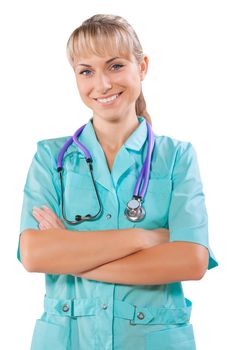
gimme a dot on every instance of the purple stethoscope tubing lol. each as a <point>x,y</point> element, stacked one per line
<point>145,171</point>
<point>137,195</point>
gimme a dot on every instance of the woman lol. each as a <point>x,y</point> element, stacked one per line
<point>114,282</point>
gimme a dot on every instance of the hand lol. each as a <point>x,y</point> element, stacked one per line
<point>47,218</point>
<point>162,234</point>
<point>155,236</point>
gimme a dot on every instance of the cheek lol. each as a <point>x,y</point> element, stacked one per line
<point>134,80</point>
<point>83,89</point>
<point>136,87</point>
<point>131,82</point>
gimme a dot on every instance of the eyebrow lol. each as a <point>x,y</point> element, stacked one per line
<point>88,65</point>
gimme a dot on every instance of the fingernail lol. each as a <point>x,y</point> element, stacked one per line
<point>45,207</point>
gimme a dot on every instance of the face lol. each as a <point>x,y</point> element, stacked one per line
<point>109,85</point>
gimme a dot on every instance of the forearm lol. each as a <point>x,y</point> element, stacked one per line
<point>161,264</point>
<point>61,251</point>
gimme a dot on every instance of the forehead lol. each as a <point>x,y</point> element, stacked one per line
<point>93,60</point>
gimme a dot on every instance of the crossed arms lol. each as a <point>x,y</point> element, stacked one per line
<point>127,256</point>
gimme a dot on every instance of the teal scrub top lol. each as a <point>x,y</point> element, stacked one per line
<point>87,314</point>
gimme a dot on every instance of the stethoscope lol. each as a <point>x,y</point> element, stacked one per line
<point>134,210</point>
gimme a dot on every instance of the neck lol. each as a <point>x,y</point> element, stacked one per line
<point>113,134</point>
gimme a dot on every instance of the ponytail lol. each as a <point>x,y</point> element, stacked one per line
<point>141,110</point>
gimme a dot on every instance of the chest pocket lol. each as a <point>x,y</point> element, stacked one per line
<point>156,201</point>
<point>79,197</point>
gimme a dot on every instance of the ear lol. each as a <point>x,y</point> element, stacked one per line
<point>143,67</point>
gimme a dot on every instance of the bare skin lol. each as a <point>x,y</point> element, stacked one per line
<point>47,219</point>
<point>53,249</point>
<point>160,262</point>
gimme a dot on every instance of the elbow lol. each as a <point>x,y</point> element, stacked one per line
<point>199,272</point>
<point>26,251</point>
<point>201,260</point>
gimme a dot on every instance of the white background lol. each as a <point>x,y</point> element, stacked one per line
<point>188,91</point>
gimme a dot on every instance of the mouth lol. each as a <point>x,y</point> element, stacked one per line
<point>109,100</point>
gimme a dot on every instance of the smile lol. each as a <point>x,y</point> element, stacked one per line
<point>109,99</point>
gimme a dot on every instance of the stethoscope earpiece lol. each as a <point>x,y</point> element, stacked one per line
<point>86,217</point>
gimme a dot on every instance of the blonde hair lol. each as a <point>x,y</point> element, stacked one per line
<point>101,34</point>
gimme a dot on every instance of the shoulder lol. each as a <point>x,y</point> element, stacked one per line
<point>169,153</point>
<point>48,149</point>
<point>52,146</point>
<point>167,145</point>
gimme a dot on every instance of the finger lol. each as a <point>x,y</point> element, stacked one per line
<point>43,215</point>
<point>49,212</point>
<point>54,216</point>
<point>54,219</point>
<point>40,217</point>
<point>42,227</point>
<point>37,215</point>
<point>47,225</point>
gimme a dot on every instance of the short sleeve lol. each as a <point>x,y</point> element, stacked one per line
<point>188,218</point>
<point>40,189</point>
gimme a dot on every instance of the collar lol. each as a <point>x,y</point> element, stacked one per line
<point>124,159</point>
<point>88,137</point>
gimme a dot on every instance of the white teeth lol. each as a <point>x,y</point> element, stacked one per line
<point>105,100</point>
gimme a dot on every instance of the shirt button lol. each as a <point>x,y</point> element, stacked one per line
<point>140,315</point>
<point>108,216</point>
<point>65,308</point>
<point>104,306</point>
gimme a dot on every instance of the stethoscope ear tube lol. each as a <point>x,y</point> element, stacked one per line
<point>134,210</point>
<point>79,218</point>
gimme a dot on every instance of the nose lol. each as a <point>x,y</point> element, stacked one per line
<point>102,83</point>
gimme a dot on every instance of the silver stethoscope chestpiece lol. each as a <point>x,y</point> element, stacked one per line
<point>134,210</point>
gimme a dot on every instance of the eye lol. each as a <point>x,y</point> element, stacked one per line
<point>84,71</point>
<point>88,72</point>
<point>118,66</point>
